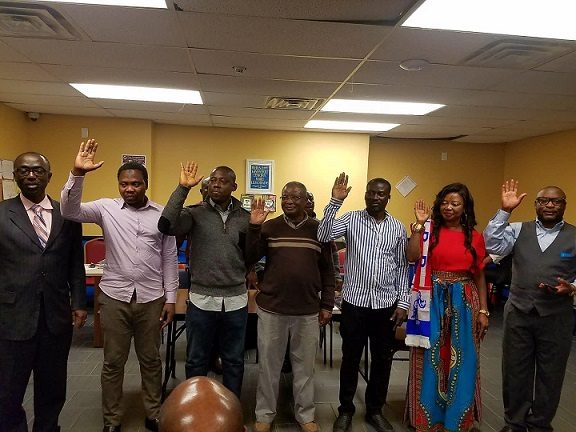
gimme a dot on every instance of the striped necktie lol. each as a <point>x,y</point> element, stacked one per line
<point>40,225</point>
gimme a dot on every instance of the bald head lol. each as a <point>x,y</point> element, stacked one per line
<point>201,404</point>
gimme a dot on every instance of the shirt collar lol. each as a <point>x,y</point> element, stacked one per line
<point>292,224</point>
<point>217,206</point>
<point>46,204</point>
<point>556,227</point>
<point>369,217</point>
<point>149,204</point>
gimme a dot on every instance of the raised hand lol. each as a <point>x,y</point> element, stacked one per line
<point>259,213</point>
<point>85,158</point>
<point>341,189</point>
<point>188,172</point>
<point>421,211</point>
<point>510,198</point>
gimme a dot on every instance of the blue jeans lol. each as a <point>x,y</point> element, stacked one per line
<point>201,327</point>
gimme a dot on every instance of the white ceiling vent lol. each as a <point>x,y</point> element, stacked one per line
<point>293,103</point>
<point>33,20</point>
<point>521,54</point>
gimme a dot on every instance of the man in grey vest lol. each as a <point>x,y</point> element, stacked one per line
<point>538,315</point>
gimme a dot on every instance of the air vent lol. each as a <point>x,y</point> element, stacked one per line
<point>521,54</point>
<point>293,103</point>
<point>34,21</point>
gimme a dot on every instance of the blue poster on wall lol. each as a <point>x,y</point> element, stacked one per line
<point>259,176</point>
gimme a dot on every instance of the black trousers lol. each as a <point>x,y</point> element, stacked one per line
<point>535,350</point>
<point>47,356</point>
<point>357,325</point>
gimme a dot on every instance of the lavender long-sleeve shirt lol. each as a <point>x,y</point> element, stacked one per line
<point>139,258</point>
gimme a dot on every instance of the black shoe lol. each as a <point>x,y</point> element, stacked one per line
<point>111,428</point>
<point>378,422</point>
<point>151,425</point>
<point>342,423</point>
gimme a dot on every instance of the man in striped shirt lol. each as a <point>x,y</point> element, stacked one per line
<point>296,295</point>
<point>375,293</point>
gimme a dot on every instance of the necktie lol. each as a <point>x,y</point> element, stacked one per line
<point>40,225</point>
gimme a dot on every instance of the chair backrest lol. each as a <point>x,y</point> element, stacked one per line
<point>341,259</point>
<point>94,251</point>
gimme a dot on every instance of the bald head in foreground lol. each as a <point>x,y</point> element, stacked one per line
<point>201,404</point>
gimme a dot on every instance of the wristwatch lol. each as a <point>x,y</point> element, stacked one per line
<point>484,311</point>
<point>418,227</point>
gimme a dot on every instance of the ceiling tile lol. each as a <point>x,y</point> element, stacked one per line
<point>24,71</point>
<point>460,77</point>
<point>9,54</point>
<point>272,66</point>
<point>262,113</point>
<point>42,100</point>
<point>56,109</point>
<point>108,24</point>
<point>434,46</point>
<point>37,87</point>
<point>540,82</point>
<point>278,88</point>
<point>279,36</point>
<point>100,54</point>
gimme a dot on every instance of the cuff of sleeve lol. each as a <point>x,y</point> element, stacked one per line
<point>171,296</point>
<point>336,202</point>
<point>501,216</point>
<point>403,304</point>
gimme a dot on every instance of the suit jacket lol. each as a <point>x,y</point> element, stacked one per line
<point>28,272</point>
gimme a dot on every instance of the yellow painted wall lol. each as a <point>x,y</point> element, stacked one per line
<point>542,161</point>
<point>478,166</point>
<point>314,159</point>
<point>13,136</point>
<point>59,137</point>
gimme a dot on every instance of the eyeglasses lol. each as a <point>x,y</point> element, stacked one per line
<point>293,198</point>
<point>25,171</point>
<point>542,201</point>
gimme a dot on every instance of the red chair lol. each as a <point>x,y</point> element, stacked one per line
<point>94,252</point>
<point>341,259</point>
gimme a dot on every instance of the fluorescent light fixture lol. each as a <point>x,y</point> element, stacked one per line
<point>350,126</point>
<point>553,19</point>
<point>380,107</point>
<point>157,4</point>
<point>146,94</point>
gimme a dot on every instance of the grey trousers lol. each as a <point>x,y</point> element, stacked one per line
<point>535,351</point>
<point>120,322</point>
<point>274,331</point>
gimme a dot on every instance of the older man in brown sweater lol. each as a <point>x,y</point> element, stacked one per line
<point>296,295</point>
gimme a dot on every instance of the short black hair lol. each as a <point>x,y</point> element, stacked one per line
<point>380,180</point>
<point>40,155</point>
<point>297,185</point>
<point>134,166</point>
<point>230,172</point>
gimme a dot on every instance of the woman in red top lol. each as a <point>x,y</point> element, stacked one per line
<point>444,390</point>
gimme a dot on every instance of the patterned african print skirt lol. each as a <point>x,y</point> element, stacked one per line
<point>444,384</point>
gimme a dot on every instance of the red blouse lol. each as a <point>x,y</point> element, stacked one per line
<point>451,255</point>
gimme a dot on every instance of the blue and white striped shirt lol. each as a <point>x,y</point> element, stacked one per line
<point>375,269</point>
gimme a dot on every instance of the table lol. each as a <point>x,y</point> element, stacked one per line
<point>96,273</point>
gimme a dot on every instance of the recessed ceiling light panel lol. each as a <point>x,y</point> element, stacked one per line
<point>145,94</point>
<point>552,19</point>
<point>350,126</point>
<point>380,107</point>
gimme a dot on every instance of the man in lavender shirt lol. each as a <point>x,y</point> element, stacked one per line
<point>138,287</point>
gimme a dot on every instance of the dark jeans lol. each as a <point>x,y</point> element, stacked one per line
<point>47,356</point>
<point>357,325</point>
<point>201,329</point>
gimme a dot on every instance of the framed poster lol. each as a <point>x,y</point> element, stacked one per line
<point>259,176</point>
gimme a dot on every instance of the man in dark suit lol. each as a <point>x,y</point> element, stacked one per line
<point>42,295</point>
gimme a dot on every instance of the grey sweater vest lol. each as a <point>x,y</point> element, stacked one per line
<point>531,267</point>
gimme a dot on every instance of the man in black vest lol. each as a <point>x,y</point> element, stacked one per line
<point>538,315</point>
